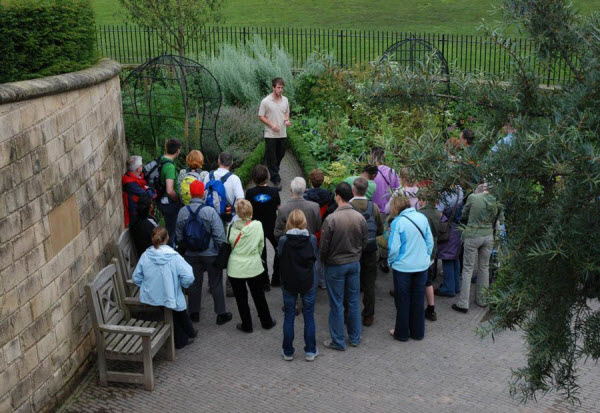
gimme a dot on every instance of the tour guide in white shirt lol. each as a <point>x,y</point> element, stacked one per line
<point>274,112</point>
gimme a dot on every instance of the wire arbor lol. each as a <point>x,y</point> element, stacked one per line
<point>173,97</point>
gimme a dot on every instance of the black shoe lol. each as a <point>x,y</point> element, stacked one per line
<point>459,309</point>
<point>275,282</point>
<point>239,327</point>
<point>441,294</point>
<point>224,318</point>
<point>384,267</point>
<point>195,317</point>
<point>430,315</point>
<point>273,323</point>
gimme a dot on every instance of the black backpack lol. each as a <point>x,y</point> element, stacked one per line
<point>297,264</point>
<point>371,227</point>
<point>195,236</point>
<point>152,172</point>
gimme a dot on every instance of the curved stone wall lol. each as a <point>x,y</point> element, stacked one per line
<point>62,153</point>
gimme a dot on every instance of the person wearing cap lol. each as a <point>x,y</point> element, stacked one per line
<point>203,260</point>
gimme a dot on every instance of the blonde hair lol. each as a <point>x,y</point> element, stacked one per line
<point>296,219</point>
<point>398,204</point>
<point>243,209</point>
<point>405,176</point>
<point>195,159</point>
<point>159,236</point>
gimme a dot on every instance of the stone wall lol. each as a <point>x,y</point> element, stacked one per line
<point>62,153</point>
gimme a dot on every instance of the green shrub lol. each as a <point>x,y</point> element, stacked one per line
<point>255,158</point>
<point>44,38</point>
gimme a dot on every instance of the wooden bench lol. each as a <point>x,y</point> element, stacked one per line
<point>127,256</point>
<point>119,337</point>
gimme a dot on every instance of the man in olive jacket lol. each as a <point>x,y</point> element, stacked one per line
<point>343,238</point>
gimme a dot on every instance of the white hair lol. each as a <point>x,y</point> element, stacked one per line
<point>134,162</point>
<point>298,186</point>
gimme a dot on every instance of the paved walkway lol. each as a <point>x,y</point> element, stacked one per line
<point>451,370</point>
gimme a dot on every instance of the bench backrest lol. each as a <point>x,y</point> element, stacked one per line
<point>104,296</point>
<point>126,254</point>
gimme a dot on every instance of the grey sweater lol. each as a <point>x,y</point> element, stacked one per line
<point>311,211</point>
<point>212,224</point>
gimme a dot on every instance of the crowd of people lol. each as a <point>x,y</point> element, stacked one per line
<point>336,241</point>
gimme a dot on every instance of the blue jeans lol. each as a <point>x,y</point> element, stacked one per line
<point>170,212</point>
<point>308,311</point>
<point>344,279</point>
<point>451,284</point>
<point>409,300</point>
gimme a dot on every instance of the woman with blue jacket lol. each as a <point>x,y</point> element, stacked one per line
<point>160,273</point>
<point>409,255</point>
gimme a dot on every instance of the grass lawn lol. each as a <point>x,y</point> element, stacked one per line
<point>441,16</point>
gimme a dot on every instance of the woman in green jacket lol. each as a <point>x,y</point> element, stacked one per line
<point>245,265</point>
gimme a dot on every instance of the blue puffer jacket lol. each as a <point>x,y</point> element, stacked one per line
<point>160,274</point>
<point>408,250</point>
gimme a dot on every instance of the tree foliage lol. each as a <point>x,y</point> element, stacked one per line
<point>548,181</point>
<point>177,21</point>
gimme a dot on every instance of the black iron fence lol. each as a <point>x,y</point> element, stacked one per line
<point>131,44</point>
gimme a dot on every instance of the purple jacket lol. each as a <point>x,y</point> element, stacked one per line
<point>449,250</point>
<point>387,181</point>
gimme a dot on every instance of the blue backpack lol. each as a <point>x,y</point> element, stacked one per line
<point>216,196</point>
<point>195,236</point>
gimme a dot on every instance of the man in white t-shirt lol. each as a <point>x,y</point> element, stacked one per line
<point>274,112</point>
<point>233,184</point>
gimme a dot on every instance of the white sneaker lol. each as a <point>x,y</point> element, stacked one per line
<point>312,356</point>
<point>287,358</point>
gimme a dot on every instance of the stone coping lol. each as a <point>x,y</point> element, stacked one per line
<point>29,89</point>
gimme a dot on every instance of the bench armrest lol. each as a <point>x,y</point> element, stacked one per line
<point>133,301</point>
<point>131,330</point>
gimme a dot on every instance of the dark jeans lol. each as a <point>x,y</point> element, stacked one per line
<point>215,283</point>
<point>274,152</point>
<point>308,311</point>
<point>409,300</point>
<point>265,275</point>
<point>368,274</point>
<point>255,284</point>
<point>170,212</point>
<point>182,324</point>
<point>451,284</point>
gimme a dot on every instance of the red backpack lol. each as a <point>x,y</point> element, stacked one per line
<point>322,212</point>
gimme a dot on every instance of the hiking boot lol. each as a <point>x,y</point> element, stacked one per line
<point>460,309</point>
<point>430,315</point>
<point>195,317</point>
<point>268,327</point>
<point>224,318</point>
<point>239,327</point>
<point>368,320</point>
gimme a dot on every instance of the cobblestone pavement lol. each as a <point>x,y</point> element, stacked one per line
<point>451,370</point>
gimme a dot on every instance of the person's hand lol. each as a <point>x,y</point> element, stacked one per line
<point>275,128</point>
<point>288,123</point>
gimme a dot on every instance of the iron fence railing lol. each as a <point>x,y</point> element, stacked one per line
<point>130,44</point>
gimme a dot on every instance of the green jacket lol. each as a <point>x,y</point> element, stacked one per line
<point>480,212</point>
<point>245,259</point>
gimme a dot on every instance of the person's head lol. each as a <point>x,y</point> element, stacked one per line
<point>243,208</point>
<point>370,172</point>
<point>316,178</point>
<point>467,136</point>
<point>360,186</point>
<point>195,159</point>
<point>134,164</point>
<point>298,186</point>
<point>142,206</point>
<point>225,160</point>
<point>278,85</point>
<point>173,147</point>
<point>296,219</point>
<point>197,189</point>
<point>260,174</point>
<point>398,204</point>
<point>160,236</point>
<point>406,177</point>
<point>377,155</point>
<point>343,193</point>
<point>482,187</point>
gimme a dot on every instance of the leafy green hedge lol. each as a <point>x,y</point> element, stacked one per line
<point>256,157</point>
<point>299,147</point>
<point>44,38</point>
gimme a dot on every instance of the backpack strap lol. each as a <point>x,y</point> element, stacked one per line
<point>225,177</point>
<point>211,175</point>
<point>194,213</point>
<point>239,235</point>
<point>370,209</point>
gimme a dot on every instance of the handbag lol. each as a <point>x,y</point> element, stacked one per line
<point>226,249</point>
<point>443,233</point>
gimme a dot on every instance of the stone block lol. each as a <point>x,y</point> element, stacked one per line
<point>10,226</point>
<point>19,321</point>
<point>31,213</point>
<point>9,379</point>
<point>6,255</point>
<point>41,230</point>
<point>63,282</point>
<point>65,119</point>
<point>49,271</point>
<point>32,113</point>
<point>44,300</point>
<point>9,303</point>
<point>2,362</point>
<point>6,331</point>
<point>36,259</point>
<point>15,199</point>
<point>11,126</point>
<point>29,288</point>
<point>27,363</point>
<point>65,166</point>
<point>7,181</point>
<point>39,159</point>
<point>25,407</point>
<point>56,313</point>
<point>23,243</point>
<point>46,345</point>
<point>21,392</point>
<point>12,350</point>
<point>5,405</point>
<point>34,187</point>
<point>55,149</point>
<point>22,169</point>
<point>38,329</point>
<point>27,141</point>
<point>13,275</point>
<point>49,129</point>
<point>42,371</point>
